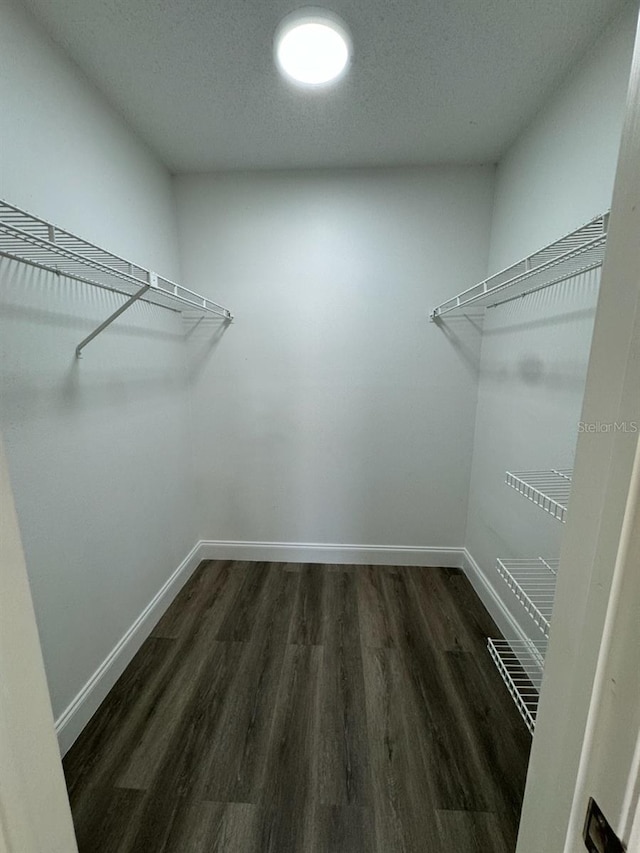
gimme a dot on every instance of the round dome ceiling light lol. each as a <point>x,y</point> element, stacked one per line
<point>312,47</point>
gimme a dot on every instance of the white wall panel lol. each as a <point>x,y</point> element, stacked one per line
<point>97,448</point>
<point>333,411</point>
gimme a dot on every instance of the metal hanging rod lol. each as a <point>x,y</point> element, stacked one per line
<point>34,241</point>
<point>521,665</point>
<point>549,490</point>
<point>533,582</point>
<point>575,253</point>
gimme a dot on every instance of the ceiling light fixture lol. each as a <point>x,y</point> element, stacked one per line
<point>312,47</point>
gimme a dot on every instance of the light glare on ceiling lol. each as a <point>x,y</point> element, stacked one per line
<point>312,47</point>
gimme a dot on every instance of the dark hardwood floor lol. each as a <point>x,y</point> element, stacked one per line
<point>280,708</point>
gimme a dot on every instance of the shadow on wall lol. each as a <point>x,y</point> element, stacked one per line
<point>38,296</point>
<point>67,320</point>
<point>534,371</point>
<point>560,319</point>
<point>44,316</point>
<point>463,332</point>
<point>542,339</point>
<point>203,335</point>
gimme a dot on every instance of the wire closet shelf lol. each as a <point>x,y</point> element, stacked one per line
<point>28,239</point>
<point>533,582</point>
<point>575,253</point>
<point>550,490</point>
<point>520,664</point>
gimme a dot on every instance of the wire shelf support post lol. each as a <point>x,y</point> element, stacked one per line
<point>111,318</point>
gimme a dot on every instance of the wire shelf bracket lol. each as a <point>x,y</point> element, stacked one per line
<point>533,582</point>
<point>550,490</point>
<point>30,240</point>
<point>575,253</point>
<point>520,665</point>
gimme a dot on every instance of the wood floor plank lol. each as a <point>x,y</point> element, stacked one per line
<point>375,627</point>
<point>94,762</point>
<point>402,800</point>
<point>344,766</point>
<point>344,829</point>
<point>177,777</point>
<point>495,736</point>
<point>164,720</point>
<point>482,771</point>
<point>140,766</point>
<point>236,757</point>
<point>217,828</point>
<point>239,620</point>
<point>446,629</point>
<point>202,591</point>
<point>114,827</point>
<point>307,624</point>
<point>429,700</point>
<point>476,619</point>
<point>471,832</point>
<point>116,723</point>
<point>290,798</point>
<point>340,568</point>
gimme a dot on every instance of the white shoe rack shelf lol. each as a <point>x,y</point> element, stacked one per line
<point>533,583</point>
<point>520,664</point>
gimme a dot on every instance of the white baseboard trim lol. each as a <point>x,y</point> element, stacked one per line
<point>313,552</point>
<point>78,713</point>
<point>499,612</point>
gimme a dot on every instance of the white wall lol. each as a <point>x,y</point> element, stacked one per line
<point>559,173</point>
<point>97,449</point>
<point>557,176</point>
<point>333,411</point>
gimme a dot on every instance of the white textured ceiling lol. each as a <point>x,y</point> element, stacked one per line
<point>431,80</point>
